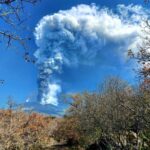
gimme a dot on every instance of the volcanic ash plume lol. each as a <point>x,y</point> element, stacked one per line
<point>77,36</point>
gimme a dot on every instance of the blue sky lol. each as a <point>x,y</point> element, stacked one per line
<point>21,77</point>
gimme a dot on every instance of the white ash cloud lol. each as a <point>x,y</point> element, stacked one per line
<point>77,36</point>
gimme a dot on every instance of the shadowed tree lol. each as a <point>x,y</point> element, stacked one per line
<point>114,117</point>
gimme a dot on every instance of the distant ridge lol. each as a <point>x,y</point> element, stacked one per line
<point>48,109</point>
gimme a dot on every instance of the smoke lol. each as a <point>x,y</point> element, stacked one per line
<point>77,37</point>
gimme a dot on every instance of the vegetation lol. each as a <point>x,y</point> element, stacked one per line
<point>20,130</point>
<point>115,117</point>
<point>13,15</point>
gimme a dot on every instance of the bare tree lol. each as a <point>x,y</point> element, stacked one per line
<point>143,57</point>
<point>117,116</point>
<point>12,15</point>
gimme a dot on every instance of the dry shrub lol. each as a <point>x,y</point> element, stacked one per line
<point>19,130</point>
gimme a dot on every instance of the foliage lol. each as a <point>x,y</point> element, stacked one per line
<point>65,131</point>
<point>115,117</point>
<point>19,130</point>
